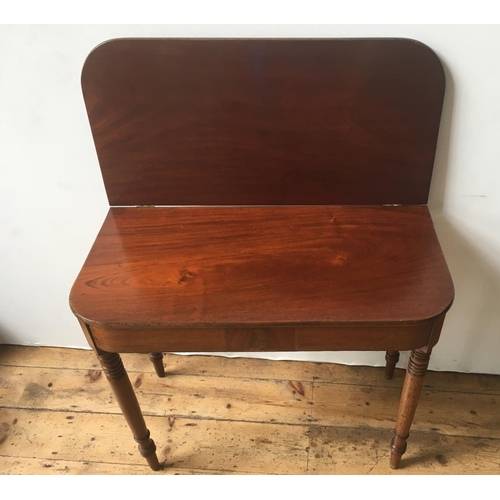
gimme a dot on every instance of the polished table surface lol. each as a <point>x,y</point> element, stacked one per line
<point>283,266</point>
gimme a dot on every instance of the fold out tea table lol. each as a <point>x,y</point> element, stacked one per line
<point>265,195</point>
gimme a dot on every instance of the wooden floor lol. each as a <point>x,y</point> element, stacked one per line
<point>214,415</point>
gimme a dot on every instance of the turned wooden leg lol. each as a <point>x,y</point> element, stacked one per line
<point>414,380</point>
<point>120,383</point>
<point>391,360</point>
<point>157,359</point>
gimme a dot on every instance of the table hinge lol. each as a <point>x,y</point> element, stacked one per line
<point>392,205</point>
<point>145,206</point>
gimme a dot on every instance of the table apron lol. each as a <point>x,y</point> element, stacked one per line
<point>248,339</point>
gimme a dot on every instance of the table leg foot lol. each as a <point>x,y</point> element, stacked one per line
<point>147,449</point>
<point>157,360</point>
<point>391,360</point>
<point>120,383</point>
<point>412,387</point>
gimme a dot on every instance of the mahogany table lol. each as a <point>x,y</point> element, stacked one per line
<point>265,195</point>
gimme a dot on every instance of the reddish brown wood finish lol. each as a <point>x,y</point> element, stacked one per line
<point>264,122</point>
<point>305,128</point>
<point>307,338</point>
<point>232,266</point>
<point>391,359</point>
<point>120,383</point>
<point>167,340</point>
<point>414,380</point>
<point>157,360</point>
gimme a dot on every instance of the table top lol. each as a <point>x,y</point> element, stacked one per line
<point>263,265</point>
<point>264,121</point>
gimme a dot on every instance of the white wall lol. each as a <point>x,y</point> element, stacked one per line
<point>52,200</point>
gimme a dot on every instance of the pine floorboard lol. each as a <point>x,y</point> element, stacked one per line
<point>216,415</point>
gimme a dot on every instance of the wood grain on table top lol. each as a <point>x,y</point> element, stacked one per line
<point>248,266</point>
<point>264,121</point>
